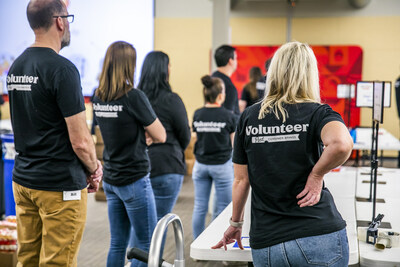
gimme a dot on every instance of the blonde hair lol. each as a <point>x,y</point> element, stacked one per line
<point>116,78</point>
<point>292,78</point>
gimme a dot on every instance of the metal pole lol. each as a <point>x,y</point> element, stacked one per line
<point>289,21</point>
<point>375,170</point>
<point>372,160</point>
<point>349,102</point>
<point>157,238</point>
<point>220,27</point>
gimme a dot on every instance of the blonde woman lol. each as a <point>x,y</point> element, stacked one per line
<point>124,115</point>
<point>278,151</point>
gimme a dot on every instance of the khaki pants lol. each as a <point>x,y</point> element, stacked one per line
<point>49,229</point>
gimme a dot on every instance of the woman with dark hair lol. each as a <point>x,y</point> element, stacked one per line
<point>125,117</point>
<point>250,94</point>
<point>284,146</point>
<point>167,159</point>
<point>214,126</point>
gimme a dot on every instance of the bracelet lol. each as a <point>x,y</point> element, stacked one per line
<point>235,224</point>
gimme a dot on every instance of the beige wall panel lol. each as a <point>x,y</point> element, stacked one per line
<point>377,36</point>
<point>187,41</point>
<point>258,31</point>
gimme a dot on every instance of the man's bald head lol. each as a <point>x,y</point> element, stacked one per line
<point>40,13</point>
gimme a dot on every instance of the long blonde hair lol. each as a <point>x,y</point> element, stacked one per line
<point>292,78</point>
<point>116,78</point>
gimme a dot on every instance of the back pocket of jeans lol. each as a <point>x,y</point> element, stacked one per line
<point>322,250</point>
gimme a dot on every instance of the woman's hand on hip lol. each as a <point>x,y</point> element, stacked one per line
<point>311,193</point>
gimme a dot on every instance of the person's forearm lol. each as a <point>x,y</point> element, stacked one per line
<point>86,153</point>
<point>332,156</point>
<point>240,191</point>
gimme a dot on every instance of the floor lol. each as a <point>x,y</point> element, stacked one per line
<point>95,243</point>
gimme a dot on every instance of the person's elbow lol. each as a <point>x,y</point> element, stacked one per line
<point>80,145</point>
<point>160,137</point>
<point>343,147</point>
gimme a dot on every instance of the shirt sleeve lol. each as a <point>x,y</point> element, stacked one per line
<point>232,123</point>
<point>140,108</point>
<point>239,152</point>
<point>194,119</point>
<point>324,115</point>
<point>68,91</point>
<point>180,122</point>
<point>245,95</point>
<point>229,102</point>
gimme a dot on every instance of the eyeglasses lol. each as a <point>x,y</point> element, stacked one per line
<point>70,18</point>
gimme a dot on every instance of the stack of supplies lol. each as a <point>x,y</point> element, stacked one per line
<point>8,234</point>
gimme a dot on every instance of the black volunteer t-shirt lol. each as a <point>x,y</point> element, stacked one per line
<point>246,96</point>
<point>213,127</point>
<point>169,157</point>
<point>280,157</point>
<point>122,123</point>
<point>231,98</point>
<point>261,85</point>
<point>44,88</point>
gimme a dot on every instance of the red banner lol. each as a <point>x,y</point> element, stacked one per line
<point>336,64</point>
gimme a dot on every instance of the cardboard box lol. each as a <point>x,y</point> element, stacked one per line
<point>189,166</point>
<point>99,151</point>
<point>100,195</point>
<point>189,152</point>
<point>99,138</point>
<point>8,259</point>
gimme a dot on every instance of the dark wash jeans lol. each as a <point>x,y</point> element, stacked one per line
<point>321,250</point>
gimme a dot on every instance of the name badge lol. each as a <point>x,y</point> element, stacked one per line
<point>72,195</point>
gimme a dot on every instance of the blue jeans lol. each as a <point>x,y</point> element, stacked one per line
<point>321,250</point>
<point>130,206</point>
<point>166,189</point>
<point>203,178</point>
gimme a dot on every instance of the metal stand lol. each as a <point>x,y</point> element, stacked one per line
<point>374,166</point>
<point>153,257</point>
<point>349,108</point>
<point>157,238</point>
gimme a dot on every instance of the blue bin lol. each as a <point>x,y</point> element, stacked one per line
<point>8,159</point>
<point>353,133</point>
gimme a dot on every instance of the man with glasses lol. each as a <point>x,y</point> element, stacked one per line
<point>56,165</point>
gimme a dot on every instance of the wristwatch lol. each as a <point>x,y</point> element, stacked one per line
<point>235,224</point>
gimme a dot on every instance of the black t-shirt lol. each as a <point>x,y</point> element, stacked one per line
<point>94,121</point>
<point>122,123</point>
<point>213,127</point>
<point>169,157</point>
<point>261,85</point>
<point>280,156</point>
<point>397,88</point>
<point>231,98</point>
<point>246,96</point>
<point>44,88</point>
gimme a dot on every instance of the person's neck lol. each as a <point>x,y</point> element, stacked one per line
<point>226,70</point>
<point>212,105</point>
<point>47,40</point>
